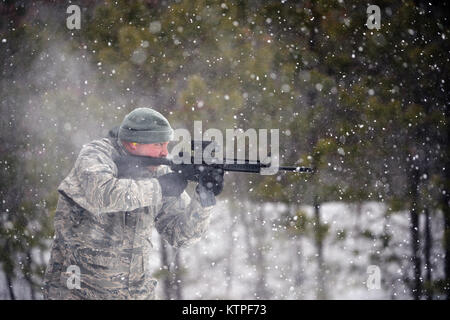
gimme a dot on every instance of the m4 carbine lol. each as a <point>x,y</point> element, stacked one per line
<point>195,167</point>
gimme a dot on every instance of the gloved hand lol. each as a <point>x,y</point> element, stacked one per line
<point>212,180</point>
<point>172,184</point>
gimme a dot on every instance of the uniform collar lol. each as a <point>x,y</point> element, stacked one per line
<point>114,137</point>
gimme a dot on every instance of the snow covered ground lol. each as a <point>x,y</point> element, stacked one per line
<point>220,265</point>
<point>251,253</point>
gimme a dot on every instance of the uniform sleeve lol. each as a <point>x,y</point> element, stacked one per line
<point>94,185</point>
<point>182,221</point>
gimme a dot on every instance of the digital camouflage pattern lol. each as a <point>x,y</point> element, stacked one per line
<point>103,224</point>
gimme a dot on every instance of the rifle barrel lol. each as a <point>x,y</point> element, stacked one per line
<point>248,165</point>
<point>295,169</point>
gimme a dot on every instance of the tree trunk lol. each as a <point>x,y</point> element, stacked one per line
<point>28,275</point>
<point>446,213</point>
<point>446,204</point>
<point>297,269</point>
<point>10,286</point>
<point>414,231</point>
<point>261,284</point>
<point>321,293</point>
<point>8,268</point>
<point>428,247</point>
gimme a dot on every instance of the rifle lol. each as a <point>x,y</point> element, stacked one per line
<point>193,169</point>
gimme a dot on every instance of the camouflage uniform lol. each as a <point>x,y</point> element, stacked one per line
<point>103,225</point>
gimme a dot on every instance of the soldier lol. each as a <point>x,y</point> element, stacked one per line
<point>104,219</point>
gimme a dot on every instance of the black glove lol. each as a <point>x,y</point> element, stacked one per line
<point>212,179</point>
<point>172,184</point>
<point>210,184</point>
